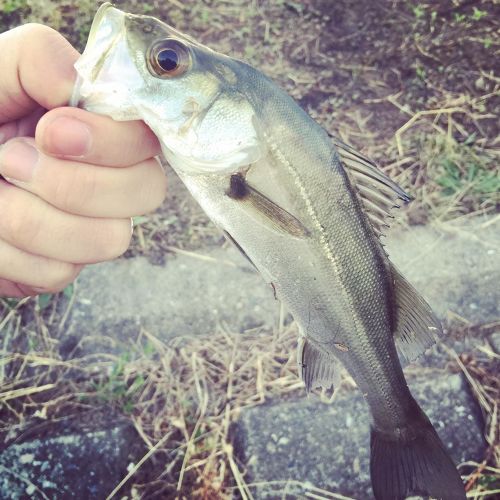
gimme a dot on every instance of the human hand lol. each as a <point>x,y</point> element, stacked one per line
<point>72,179</point>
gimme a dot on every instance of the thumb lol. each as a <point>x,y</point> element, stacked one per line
<point>36,69</point>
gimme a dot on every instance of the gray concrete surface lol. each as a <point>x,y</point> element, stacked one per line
<point>456,267</point>
<point>81,465</point>
<point>188,296</point>
<point>297,445</point>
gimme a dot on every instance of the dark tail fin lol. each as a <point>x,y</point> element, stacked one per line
<point>415,463</point>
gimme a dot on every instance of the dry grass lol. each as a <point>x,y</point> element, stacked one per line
<point>450,172</point>
<point>481,372</point>
<point>183,398</point>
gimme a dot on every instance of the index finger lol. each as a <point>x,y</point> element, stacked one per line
<point>37,70</point>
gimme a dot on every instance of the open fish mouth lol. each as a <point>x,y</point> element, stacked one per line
<point>104,67</point>
<point>97,31</point>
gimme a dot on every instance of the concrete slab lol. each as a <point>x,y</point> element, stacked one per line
<point>81,465</point>
<point>456,267</point>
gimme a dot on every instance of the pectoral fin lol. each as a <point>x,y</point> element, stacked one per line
<point>263,209</point>
<point>416,325</point>
<point>316,368</point>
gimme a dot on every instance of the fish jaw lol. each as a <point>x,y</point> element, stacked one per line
<point>98,87</point>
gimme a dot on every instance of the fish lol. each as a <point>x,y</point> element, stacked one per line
<point>305,208</point>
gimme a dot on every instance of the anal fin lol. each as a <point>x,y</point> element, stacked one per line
<point>416,326</point>
<point>316,368</point>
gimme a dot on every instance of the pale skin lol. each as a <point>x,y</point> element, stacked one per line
<point>72,179</point>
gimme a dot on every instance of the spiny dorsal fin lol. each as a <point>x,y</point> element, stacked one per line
<point>378,193</point>
<point>316,368</point>
<point>416,326</point>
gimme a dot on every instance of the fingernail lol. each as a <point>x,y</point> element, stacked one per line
<point>18,160</point>
<point>68,137</point>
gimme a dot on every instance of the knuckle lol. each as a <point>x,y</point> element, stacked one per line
<point>19,226</point>
<point>58,192</point>
<point>74,191</point>
<point>122,237</point>
<point>36,29</point>
<point>44,35</point>
<point>24,290</point>
<point>9,289</point>
<point>115,238</point>
<point>161,192</point>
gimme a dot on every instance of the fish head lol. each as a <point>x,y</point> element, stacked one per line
<point>139,68</point>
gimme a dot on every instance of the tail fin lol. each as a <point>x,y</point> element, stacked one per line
<point>418,465</point>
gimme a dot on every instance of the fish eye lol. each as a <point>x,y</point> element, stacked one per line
<point>168,58</point>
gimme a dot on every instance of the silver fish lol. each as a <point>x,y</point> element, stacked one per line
<point>306,209</point>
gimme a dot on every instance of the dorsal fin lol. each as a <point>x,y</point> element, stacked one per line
<point>416,327</point>
<point>377,192</point>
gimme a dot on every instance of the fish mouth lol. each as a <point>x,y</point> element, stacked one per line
<point>107,28</point>
<point>104,10</point>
